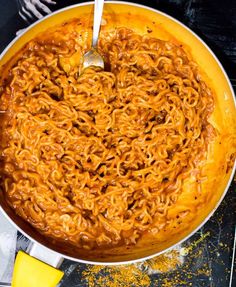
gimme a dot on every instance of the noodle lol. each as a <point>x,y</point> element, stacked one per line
<point>100,159</point>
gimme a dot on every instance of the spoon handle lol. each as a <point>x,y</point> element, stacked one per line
<point>97,18</point>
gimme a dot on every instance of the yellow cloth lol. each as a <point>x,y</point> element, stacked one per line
<point>31,272</point>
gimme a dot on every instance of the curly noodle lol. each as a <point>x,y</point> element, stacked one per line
<point>100,159</point>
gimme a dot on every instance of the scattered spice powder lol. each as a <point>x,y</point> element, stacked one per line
<point>185,251</point>
<point>113,276</point>
<point>163,263</point>
<point>132,274</point>
<point>166,266</point>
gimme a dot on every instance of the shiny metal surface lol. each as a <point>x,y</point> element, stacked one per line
<point>92,57</point>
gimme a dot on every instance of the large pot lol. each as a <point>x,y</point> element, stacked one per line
<point>218,169</point>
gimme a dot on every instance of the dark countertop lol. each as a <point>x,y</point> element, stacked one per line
<point>208,261</point>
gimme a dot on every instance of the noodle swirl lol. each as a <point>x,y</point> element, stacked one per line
<point>101,159</point>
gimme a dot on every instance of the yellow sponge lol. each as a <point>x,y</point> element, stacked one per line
<point>31,272</point>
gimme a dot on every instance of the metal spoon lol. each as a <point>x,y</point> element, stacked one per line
<point>92,57</point>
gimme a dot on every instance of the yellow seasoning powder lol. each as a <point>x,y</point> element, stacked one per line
<point>132,274</point>
<point>163,263</point>
<point>139,274</point>
<point>113,276</point>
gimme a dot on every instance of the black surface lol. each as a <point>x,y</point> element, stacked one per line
<point>210,260</point>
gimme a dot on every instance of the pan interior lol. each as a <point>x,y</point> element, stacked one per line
<point>218,168</point>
